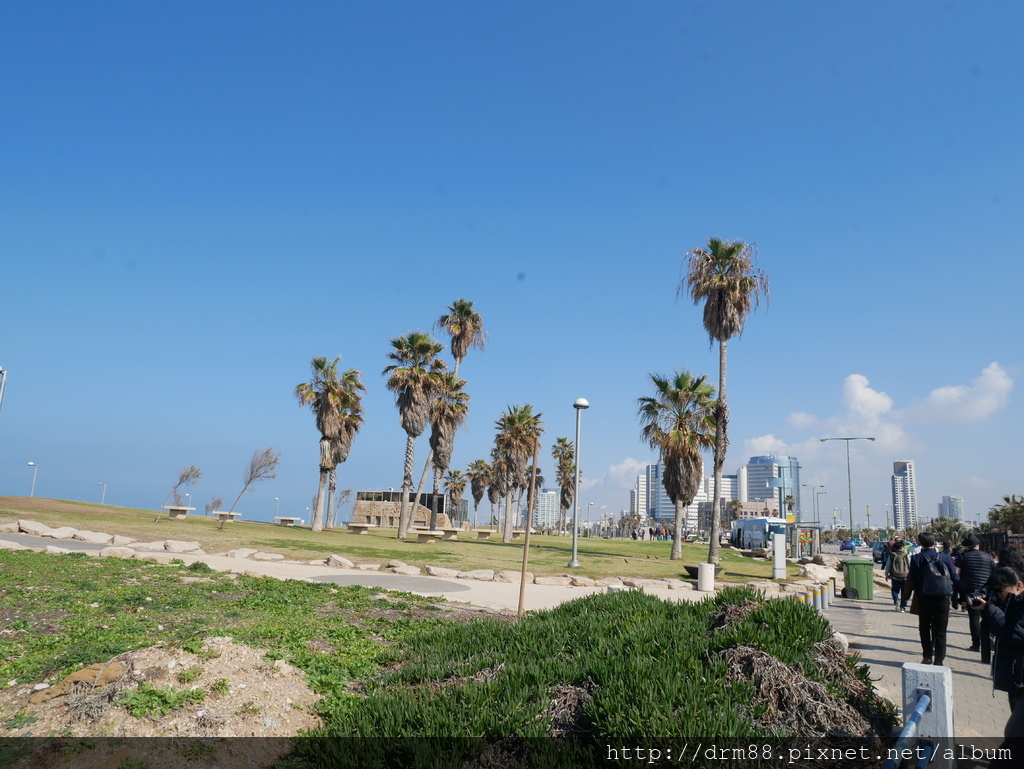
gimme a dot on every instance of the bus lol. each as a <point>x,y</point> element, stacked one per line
<point>749,533</point>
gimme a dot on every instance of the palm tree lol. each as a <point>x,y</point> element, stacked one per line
<point>454,485</point>
<point>563,452</point>
<point>448,411</point>
<point>479,475</point>
<point>790,503</point>
<point>519,429</point>
<point>466,328</point>
<point>679,422</point>
<point>724,277</point>
<point>415,378</point>
<point>336,403</point>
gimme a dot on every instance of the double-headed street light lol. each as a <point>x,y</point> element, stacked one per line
<point>849,482</point>
<point>35,469</point>
<point>814,498</point>
<point>579,405</point>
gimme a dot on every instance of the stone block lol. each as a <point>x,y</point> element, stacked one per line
<point>371,566</point>
<point>512,577</point>
<point>5,545</point>
<point>177,546</point>
<point>609,582</point>
<point>95,537</point>
<point>242,552</point>
<point>118,541</point>
<point>54,550</point>
<point>409,571</point>
<point>117,552</point>
<point>555,581</point>
<point>258,556</point>
<point>340,562</point>
<point>583,582</point>
<point>441,571</point>
<point>33,527</point>
<point>64,532</point>
<point>484,575</point>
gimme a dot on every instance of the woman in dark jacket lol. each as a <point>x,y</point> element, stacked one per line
<point>1005,615</point>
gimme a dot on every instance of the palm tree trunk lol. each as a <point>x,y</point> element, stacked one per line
<point>677,539</point>
<point>318,503</point>
<point>506,532</point>
<point>331,486</point>
<point>419,491</point>
<point>721,444</point>
<point>403,514</point>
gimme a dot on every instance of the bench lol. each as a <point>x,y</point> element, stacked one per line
<point>423,535</point>
<point>226,516</point>
<point>484,533</point>
<point>286,521</point>
<point>361,528</point>
<point>450,534</point>
<point>176,512</point>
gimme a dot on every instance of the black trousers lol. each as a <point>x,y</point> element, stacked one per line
<point>974,619</point>
<point>932,620</point>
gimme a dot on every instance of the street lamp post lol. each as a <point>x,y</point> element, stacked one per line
<point>849,482</point>
<point>579,405</point>
<point>814,498</point>
<point>277,508</point>
<point>35,469</point>
<point>188,502</point>
<point>590,507</point>
<point>3,381</point>
<point>817,500</point>
<point>103,494</point>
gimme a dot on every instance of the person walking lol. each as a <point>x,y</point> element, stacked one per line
<point>933,582</point>
<point>897,569</point>
<point>976,567</point>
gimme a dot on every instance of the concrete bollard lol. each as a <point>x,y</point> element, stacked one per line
<point>816,597</point>
<point>937,680</point>
<point>706,577</point>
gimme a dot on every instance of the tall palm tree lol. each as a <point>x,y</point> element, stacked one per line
<point>466,328</point>
<point>336,403</point>
<point>448,410</point>
<point>479,475</point>
<point>679,422</point>
<point>454,486</point>
<point>415,378</point>
<point>497,484</point>
<point>725,277</point>
<point>563,452</point>
<point>519,429</point>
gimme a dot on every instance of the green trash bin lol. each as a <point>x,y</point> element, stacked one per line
<point>859,579</point>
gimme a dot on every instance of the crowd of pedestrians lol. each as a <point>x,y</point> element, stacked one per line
<point>930,583</point>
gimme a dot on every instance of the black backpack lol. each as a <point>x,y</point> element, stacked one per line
<point>936,579</point>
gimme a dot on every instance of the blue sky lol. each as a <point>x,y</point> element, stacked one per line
<point>196,201</point>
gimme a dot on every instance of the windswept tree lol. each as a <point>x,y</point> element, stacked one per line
<point>479,475</point>
<point>466,329</point>
<point>564,454</point>
<point>262,466</point>
<point>678,422</point>
<point>725,277</point>
<point>448,411</point>
<point>1008,516</point>
<point>336,402</point>
<point>187,476</point>
<point>519,429</point>
<point>414,378</point>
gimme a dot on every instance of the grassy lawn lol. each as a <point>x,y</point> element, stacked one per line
<point>548,554</point>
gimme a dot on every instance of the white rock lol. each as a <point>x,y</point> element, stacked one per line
<point>559,581</point>
<point>242,552</point>
<point>816,572</point>
<point>40,687</point>
<point>64,532</point>
<point>54,550</point>
<point>5,545</point>
<point>340,562</point>
<point>483,575</point>
<point>118,541</point>
<point>177,546</point>
<point>583,582</point>
<point>440,571</point>
<point>513,577</point>
<point>409,571</point>
<point>679,584</point>
<point>609,582</point>
<point>369,566</point>
<point>150,546</point>
<point>117,552</point>
<point>396,564</point>
<point>96,537</point>
<point>843,641</point>
<point>9,528</point>
<point>267,556</point>
<point>32,527</point>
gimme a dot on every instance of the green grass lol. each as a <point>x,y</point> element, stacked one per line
<point>548,554</point>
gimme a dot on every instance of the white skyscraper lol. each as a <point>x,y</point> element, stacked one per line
<point>904,494</point>
<point>545,512</point>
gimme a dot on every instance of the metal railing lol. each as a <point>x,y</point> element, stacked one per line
<point>909,735</point>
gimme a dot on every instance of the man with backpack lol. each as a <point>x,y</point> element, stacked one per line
<point>933,581</point>
<point>897,569</point>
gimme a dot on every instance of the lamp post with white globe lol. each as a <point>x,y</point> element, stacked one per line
<point>579,405</point>
<point>35,469</point>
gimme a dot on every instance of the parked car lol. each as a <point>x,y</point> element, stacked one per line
<point>846,544</point>
<point>877,551</point>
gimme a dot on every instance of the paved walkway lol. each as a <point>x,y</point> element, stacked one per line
<point>885,639</point>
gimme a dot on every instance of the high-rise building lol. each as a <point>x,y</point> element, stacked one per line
<point>904,494</point>
<point>638,497</point>
<point>772,477</point>
<point>660,506</point>
<point>952,507</point>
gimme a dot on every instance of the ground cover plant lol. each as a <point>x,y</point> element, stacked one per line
<point>548,554</point>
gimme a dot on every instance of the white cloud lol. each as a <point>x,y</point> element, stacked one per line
<point>870,405</point>
<point>801,420</point>
<point>623,475</point>
<point>764,445</point>
<point>987,394</point>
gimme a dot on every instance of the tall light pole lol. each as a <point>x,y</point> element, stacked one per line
<point>590,507</point>
<point>3,381</point>
<point>188,502</point>
<point>277,507</point>
<point>35,469</point>
<point>849,481</point>
<point>103,494</point>
<point>579,405</point>
<point>817,499</point>
<point>814,498</point>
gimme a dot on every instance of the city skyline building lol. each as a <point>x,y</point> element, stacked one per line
<point>545,511</point>
<point>904,494</point>
<point>772,477</point>
<point>952,507</point>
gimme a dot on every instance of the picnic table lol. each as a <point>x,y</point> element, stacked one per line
<point>177,512</point>
<point>225,515</point>
<point>287,520</point>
